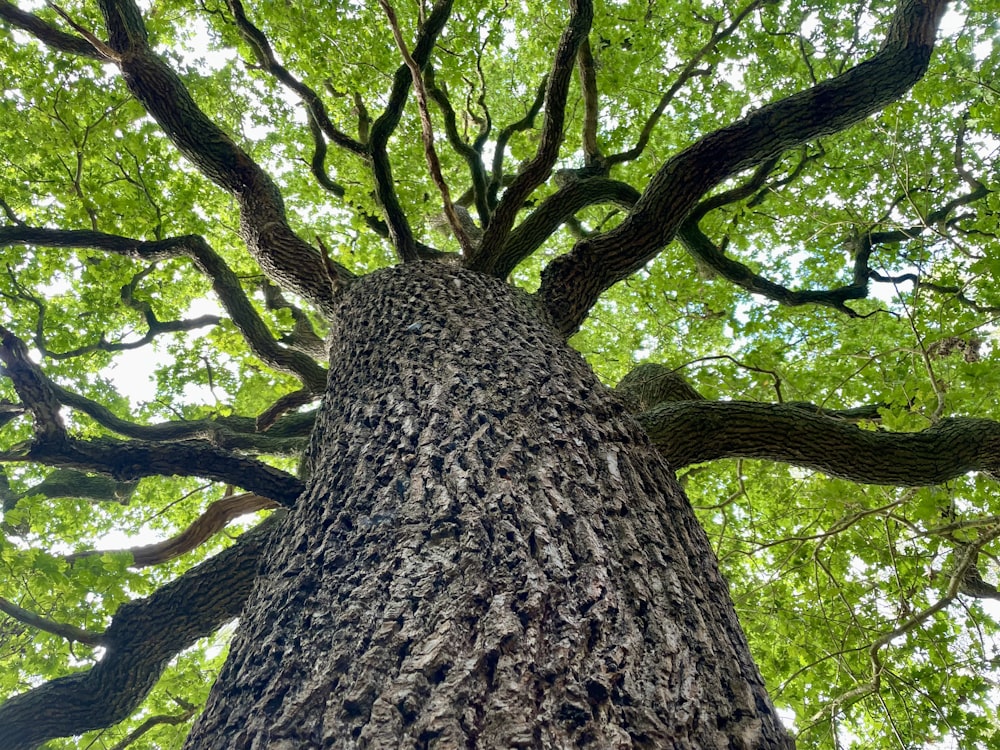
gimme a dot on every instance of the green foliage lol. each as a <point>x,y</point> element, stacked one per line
<point>820,569</point>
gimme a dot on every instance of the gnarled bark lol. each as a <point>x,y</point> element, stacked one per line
<point>490,554</point>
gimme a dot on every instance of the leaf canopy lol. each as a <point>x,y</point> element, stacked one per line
<point>836,583</point>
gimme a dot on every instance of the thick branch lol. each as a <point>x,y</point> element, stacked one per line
<point>32,620</point>
<point>129,460</point>
<point>126,460</point>
<point>32,387</point>
<point>144,635</point>
<point>536,171</point>
<point>263,225</point>
<point>572,283</point>
<point>268,433</point>
<point>688,432</point>
<point>69,483</point>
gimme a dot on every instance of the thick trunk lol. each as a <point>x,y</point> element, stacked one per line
<point>491,554</point>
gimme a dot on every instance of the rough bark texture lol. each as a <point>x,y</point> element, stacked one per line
<point>491,554</point>
<point>690,432</point>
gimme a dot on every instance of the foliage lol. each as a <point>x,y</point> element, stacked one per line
<point>820,569</point>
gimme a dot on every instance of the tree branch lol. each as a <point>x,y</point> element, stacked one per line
<point>225,284</point>
<point>473,158</point>
<point>706,252</point>
<point>154,326</point>
<point>129,460</point>
<point>262,50</point>
<point>536,171</point>
<point>69,483</point>
<point>555,211</point>
<point>688,432</point>
<point>572,283</point>
<point>690,71</point>
<point>400,232</point>
<point>591,105</point>
<point>427,132</point>
<point>497,179</point>
<point>69,632</point>
<point>215,518</point>
<point>154,721</point>
<point>34,389</point>
<point>144,635</point>
<point>126,460</point>
<point>263,225</point>
<point>46,33</point>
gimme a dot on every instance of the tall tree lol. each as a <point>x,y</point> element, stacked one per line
<point>362,248</point>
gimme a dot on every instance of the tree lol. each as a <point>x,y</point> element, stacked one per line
<point>470,540</point>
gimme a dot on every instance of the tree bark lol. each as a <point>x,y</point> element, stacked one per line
<point>490,554</point>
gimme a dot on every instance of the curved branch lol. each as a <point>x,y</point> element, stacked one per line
<point>572,283</point>
<point>500,147</point>
<point>154,326</point>
<point>225,284</point>
<point>935,218</point>
<point>265,56</point>
<point>156,720</point>
<point>536,171</point>
<point>303,335</point>
<point>473,158</point>
<point>283,434</point>
<point>144,635</point>
<point>706,252</point>
<point>688,432</point>
<point>32,387</point>
<point>126,460</point>
<point>129,460</point>
<point>263,224</point>
<point>690,71</point>
<point>215,518</point>
<point>427,132</point>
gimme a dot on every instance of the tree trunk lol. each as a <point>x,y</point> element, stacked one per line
<point>490,554</point>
